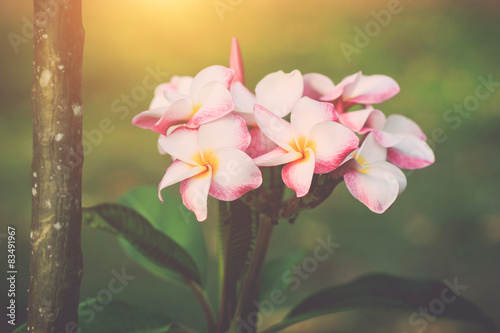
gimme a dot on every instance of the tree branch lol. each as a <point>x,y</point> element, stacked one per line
<point>56,259</point>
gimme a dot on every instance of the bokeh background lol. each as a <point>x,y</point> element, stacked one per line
<point>445,226</point>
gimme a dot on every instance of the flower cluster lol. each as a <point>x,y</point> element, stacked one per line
<point>219,134</point>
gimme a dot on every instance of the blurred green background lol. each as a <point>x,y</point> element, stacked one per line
<point>445,226</point>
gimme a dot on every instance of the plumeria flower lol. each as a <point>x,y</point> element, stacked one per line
<point>404,139</point>
<point>208,100</point>
<point>277,92</point>
<point>210,160</point>
<point>353,89</point>
<point>370,179</point>
<point>312,143</point>
<point>159,104</point>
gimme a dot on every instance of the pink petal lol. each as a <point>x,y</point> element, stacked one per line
<point>182,144</point>
<point>277,156</point>
<point>194,193</point>
<point>147,119</point>
<point>228,131</point>
<point>177,113</point>
<point>370,151</point>
<point>317,85</point>
<point>278,92</point>
<point>234,174</point>
<point>357,120</point>
<point>216,101</point>
<point>371,89</point>
<point>387,139</point>
<point>278,130</point>
<point>307,112</point>
<point>259,144</point>
<point>236,62</point>
<point>176,172</point>
<point>397,123</point>
<point>331,143</point>
<point>411,153</point>
<point>298,175</point>
<point>215,73</point>
<point>375,186</point>
<point>338,90</point>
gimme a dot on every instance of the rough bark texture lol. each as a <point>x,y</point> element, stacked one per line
<point>56,260</point>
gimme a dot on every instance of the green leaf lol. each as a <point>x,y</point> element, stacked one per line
<point>272,274</point>
<point>148,243</point>
<point>119,317</point>
<point>173,219</point>
<point>236,240</point>
<point>381,291</point>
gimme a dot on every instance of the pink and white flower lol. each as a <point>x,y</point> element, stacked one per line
<point>208,99</point>
<point>353,89</point>
<point>404,139</point>
<point>312,143</point>
<point>210,160</point>
<point>277,92</point>
<point>159,104</point>
<point>370,179</point>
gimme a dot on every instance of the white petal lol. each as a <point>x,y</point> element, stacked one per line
<point>370,151</point>
<point>277,156</point>
<point>176,172</point>
<point>307,112</point>
<point>371,89</point>
<point>215,73</point>
<point>278,130</point>
<point>316,85</point>
<point>298,175</point>
<point>278,92</point>
<point>374,186</point>
<point>338,90</point>
<point>397,123</point>
<point>194,193</point>
<point>331,143</point>
<point>182,144</point>
<point>228,131</point>
<point>214,102</point>
<point>396,172</point>
<point>234,174</point>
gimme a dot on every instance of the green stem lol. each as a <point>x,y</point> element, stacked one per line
<point>249,289</point>
<point>205,304</point>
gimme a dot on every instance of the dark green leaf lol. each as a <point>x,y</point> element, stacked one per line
<point>174,220</point>
<point>383,291</point>
<point>119,317</point>
<point>272,274</point>
<point>151,243</point>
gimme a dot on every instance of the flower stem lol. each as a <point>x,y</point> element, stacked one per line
<point>205,304</point>
<point>249,289</point>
